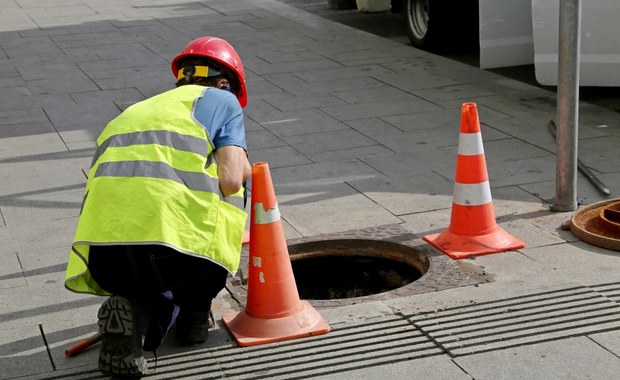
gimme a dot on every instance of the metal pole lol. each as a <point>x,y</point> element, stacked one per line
<point>568,105</point>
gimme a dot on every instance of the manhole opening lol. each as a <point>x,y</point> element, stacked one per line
<point>340,269</point>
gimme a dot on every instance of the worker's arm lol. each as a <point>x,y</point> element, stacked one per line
<point>233,168</point>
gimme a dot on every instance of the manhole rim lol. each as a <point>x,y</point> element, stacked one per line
<point>408,289</point>
<point>578,226</point>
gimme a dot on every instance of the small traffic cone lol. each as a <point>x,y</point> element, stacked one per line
<point>273,310</point>
<point>472,230</point>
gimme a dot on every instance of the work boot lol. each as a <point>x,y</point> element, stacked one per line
<point>121,351</point>
<point>192,327</point>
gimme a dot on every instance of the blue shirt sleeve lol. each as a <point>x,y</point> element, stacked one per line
<point>221,114</point>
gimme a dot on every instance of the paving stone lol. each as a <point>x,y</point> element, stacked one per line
<point>544,361</point>
<point>323,218</point>
<point>377,109</point>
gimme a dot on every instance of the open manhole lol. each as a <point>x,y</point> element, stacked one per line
<point>351,268</point>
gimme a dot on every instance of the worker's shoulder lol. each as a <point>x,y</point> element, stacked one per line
<point>217,98</point>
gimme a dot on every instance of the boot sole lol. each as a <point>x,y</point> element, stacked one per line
<point>121,351</point>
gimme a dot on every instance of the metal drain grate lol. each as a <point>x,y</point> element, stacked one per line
<point>350,347</point>
<point>518,321</point>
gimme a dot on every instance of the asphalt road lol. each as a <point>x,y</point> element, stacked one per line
<point>392,25</point>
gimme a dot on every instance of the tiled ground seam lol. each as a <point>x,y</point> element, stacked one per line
<point>517,321</point>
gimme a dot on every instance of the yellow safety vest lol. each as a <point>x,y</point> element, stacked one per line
<point>153,180</point>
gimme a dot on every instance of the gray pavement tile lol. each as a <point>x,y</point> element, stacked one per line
<point>535,132</point>
<point>349,153</point>
<point>578,261</point>
<point>406,194</point>
<point>11,81</point>
<point>316,144</point>
<point>356,313</point>
<point>414,162</point>
<point>608,340</point>
<point>528,110</point>
<point>461,92</point>
<point>520,171</point>
<point>375,94</point>
<point>287,54</point>
<point>48,204</point>
<point>22,351</point>
<point>41,174</point>
<point>122,98</point>
<point>286,102</point>
<point>279,157</point>
<point>42,268</point>
<point>50,304</point>
<point>262,112</point>
<point>11,275</point>
<point>22,116</point>
<point>12,21</point>
<point>439,119</point>
<point>590,115</point>
<point>552,360</point>
<point>91,117</point>
<point>429,222</point>
<point>16,97</point>
<point>304,122</point>
<point>40,143</point>
<point>318,66</point>
<point>410,75</point>
<point>436,367</point>
<point>78,83</point>
<point>261,89</point>
<point>508,149</point>
<point>377,109</point>
<point>325,173</point>
<point>335,86</point>
<point>586,193</point>
<point>336,207</point>
<point>342,73</point>
<point>261,139</point>
<point>509,266</point>
<point>38,235</point>
<point>600,154</point>
<point>20,49</point>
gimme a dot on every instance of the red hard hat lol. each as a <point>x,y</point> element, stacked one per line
<point>220,51</point>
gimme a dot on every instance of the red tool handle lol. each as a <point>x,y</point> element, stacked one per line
<point>82,345</point>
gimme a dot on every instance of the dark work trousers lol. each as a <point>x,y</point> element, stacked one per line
<point>159,279</point>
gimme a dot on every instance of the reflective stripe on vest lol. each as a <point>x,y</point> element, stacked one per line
<point>172,139</point>
<point>193,180</point>
<point>187,143</point>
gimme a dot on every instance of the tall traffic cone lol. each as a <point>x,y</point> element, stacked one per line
<point>273,310</point>
<point>472,230</point>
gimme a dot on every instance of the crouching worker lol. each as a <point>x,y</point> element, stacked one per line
<point>162,219</point>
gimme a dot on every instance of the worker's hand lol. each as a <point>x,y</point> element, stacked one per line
<point>233,168</point>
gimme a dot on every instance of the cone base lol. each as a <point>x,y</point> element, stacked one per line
<point>463,246</point>
<point>251,331</point>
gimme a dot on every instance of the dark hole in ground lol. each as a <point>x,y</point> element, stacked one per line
<point>342,269</point>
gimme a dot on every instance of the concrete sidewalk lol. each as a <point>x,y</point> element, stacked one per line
<point>360,134</point>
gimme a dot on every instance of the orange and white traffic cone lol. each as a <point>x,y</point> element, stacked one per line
<point>472,230</point>
<point>273,310</point>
